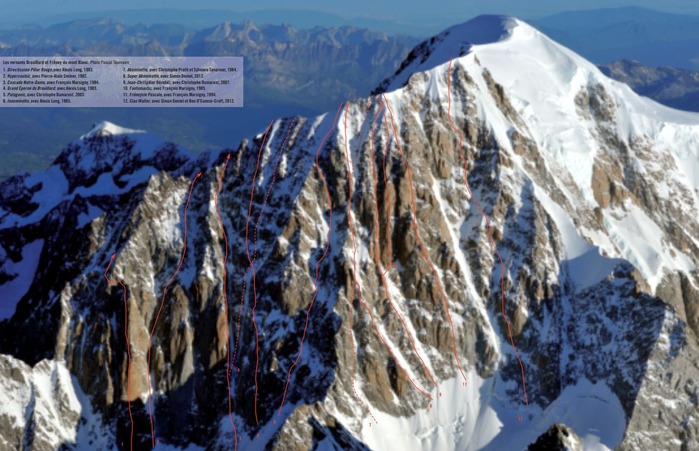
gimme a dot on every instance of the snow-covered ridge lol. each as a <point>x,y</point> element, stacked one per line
<point>107,160</point>
<point>547,86</point>
<point>104,128</point>
<point>453,42</point>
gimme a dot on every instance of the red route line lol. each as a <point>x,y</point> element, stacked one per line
<point>350,181</point>
<point>269,190</point>
<point>422,245</point>
<point>240,313</point>
<point>128,345</point>
<point>251,264</point>
<point>242,296</point>
<point>381,273</point>
<point>225,298</point>
<point>254,255</point>
<point>162,301</point>
<point>490,238</point>
<point>387,201</point>
<point>327,246</point>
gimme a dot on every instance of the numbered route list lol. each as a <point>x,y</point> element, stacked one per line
<point>122,81</point>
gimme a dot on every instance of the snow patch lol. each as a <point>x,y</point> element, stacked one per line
<point>89,216</point>
<point>479,417</point>
<point>105,128</point>
<point>586,265</point>
<point>641,242</point>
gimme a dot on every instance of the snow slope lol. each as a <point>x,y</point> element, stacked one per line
<point>542,80</point>
<point>478,418</point>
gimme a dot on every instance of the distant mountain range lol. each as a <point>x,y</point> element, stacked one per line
<point>290,71</point>
<point>287,71</point>
<point>204,18</point>
<point>651,37</point>
<point>311,68</point>
<point>678,88</point>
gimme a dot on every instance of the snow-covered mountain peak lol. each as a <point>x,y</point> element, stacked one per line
<point>454,42</point>
<point>105,146</point>
<point>108,147</point>
<point>108,160</point>
<point>592,132</point>
<point>105,128</point>
<point>485,29</point>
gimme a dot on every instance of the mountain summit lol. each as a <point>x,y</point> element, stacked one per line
<point>452,43</point>
<point>496,249</point>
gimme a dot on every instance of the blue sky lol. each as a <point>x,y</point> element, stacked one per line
<point>398,10</point>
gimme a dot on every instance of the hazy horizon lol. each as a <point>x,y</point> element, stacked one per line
<point>392,15</point>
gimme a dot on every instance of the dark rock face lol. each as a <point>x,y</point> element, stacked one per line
<point>559,437</point>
